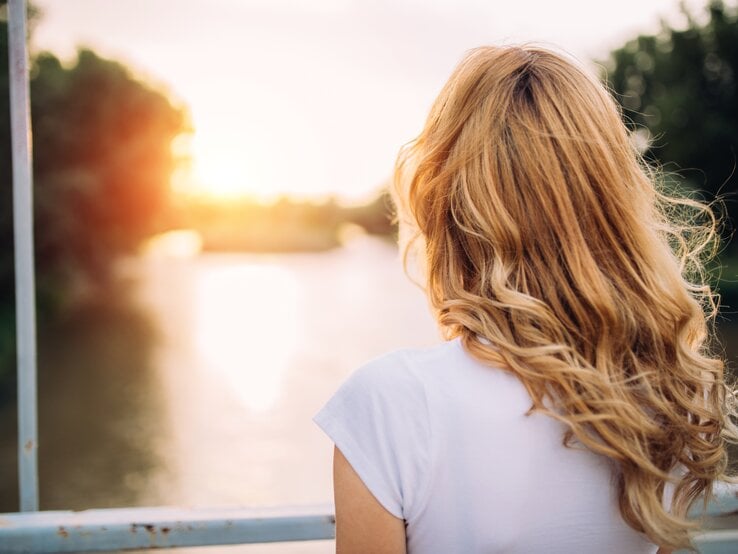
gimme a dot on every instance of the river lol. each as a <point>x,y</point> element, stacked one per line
<point>197,384</point>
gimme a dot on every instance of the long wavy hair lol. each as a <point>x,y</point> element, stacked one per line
<point>548,245</point>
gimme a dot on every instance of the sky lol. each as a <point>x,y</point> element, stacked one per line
<point>315,97</point>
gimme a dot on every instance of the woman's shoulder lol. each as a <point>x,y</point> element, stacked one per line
<point>379,420</point>
<point>449,366</point>
<point>441,376</point>
<point>412,386</point>
<point>409,366</point>
<point>393,415</point>
<point>408,374</point>
<point>388,382</point>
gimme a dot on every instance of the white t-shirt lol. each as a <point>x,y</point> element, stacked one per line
<point>442,441</point>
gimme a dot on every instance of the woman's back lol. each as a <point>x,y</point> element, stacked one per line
<point>444,442</point>
<point>546,247</point>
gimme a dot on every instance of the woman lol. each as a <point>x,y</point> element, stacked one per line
<point>575,406</point>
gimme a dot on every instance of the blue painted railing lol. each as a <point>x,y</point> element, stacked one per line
<point>31,531</point>
<point>143,528</point>
<point>25,290</point>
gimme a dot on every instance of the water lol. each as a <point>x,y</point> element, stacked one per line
<point>198,386</point>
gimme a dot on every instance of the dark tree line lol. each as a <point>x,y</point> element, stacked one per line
<point>682,85</point>
<point>102,161</point>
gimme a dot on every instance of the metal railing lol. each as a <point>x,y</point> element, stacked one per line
<point>25,299</point>
<point>142,528</point>
<point>33,531</point>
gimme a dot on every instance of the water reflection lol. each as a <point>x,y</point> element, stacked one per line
<point>246,328</point>
<point>101,431</point>
<point>252,345</point>
<point>197,385</point>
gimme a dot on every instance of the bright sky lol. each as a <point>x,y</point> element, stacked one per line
<point>315,97</point>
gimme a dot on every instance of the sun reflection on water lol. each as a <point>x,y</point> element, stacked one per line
<point>246,328</point>
<point>180,243</point>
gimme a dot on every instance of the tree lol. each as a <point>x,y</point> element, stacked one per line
<point>682,86</point>
<point>102,162</point>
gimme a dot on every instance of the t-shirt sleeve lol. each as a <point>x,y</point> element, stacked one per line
<point>378,419</point>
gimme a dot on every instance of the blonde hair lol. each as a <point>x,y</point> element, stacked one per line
<point>548,248</point>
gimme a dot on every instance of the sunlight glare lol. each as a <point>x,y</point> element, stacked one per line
<point>221,171</point>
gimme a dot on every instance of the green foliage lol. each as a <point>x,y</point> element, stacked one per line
<point>102,162</point>
<point>682,85</point>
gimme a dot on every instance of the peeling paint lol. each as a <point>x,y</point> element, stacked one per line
<point>155,528</point>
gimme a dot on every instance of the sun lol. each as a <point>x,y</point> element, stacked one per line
<point>214,168</point>
<point>221,176</point>
<point>219,164</point>
<point>221,171</point>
